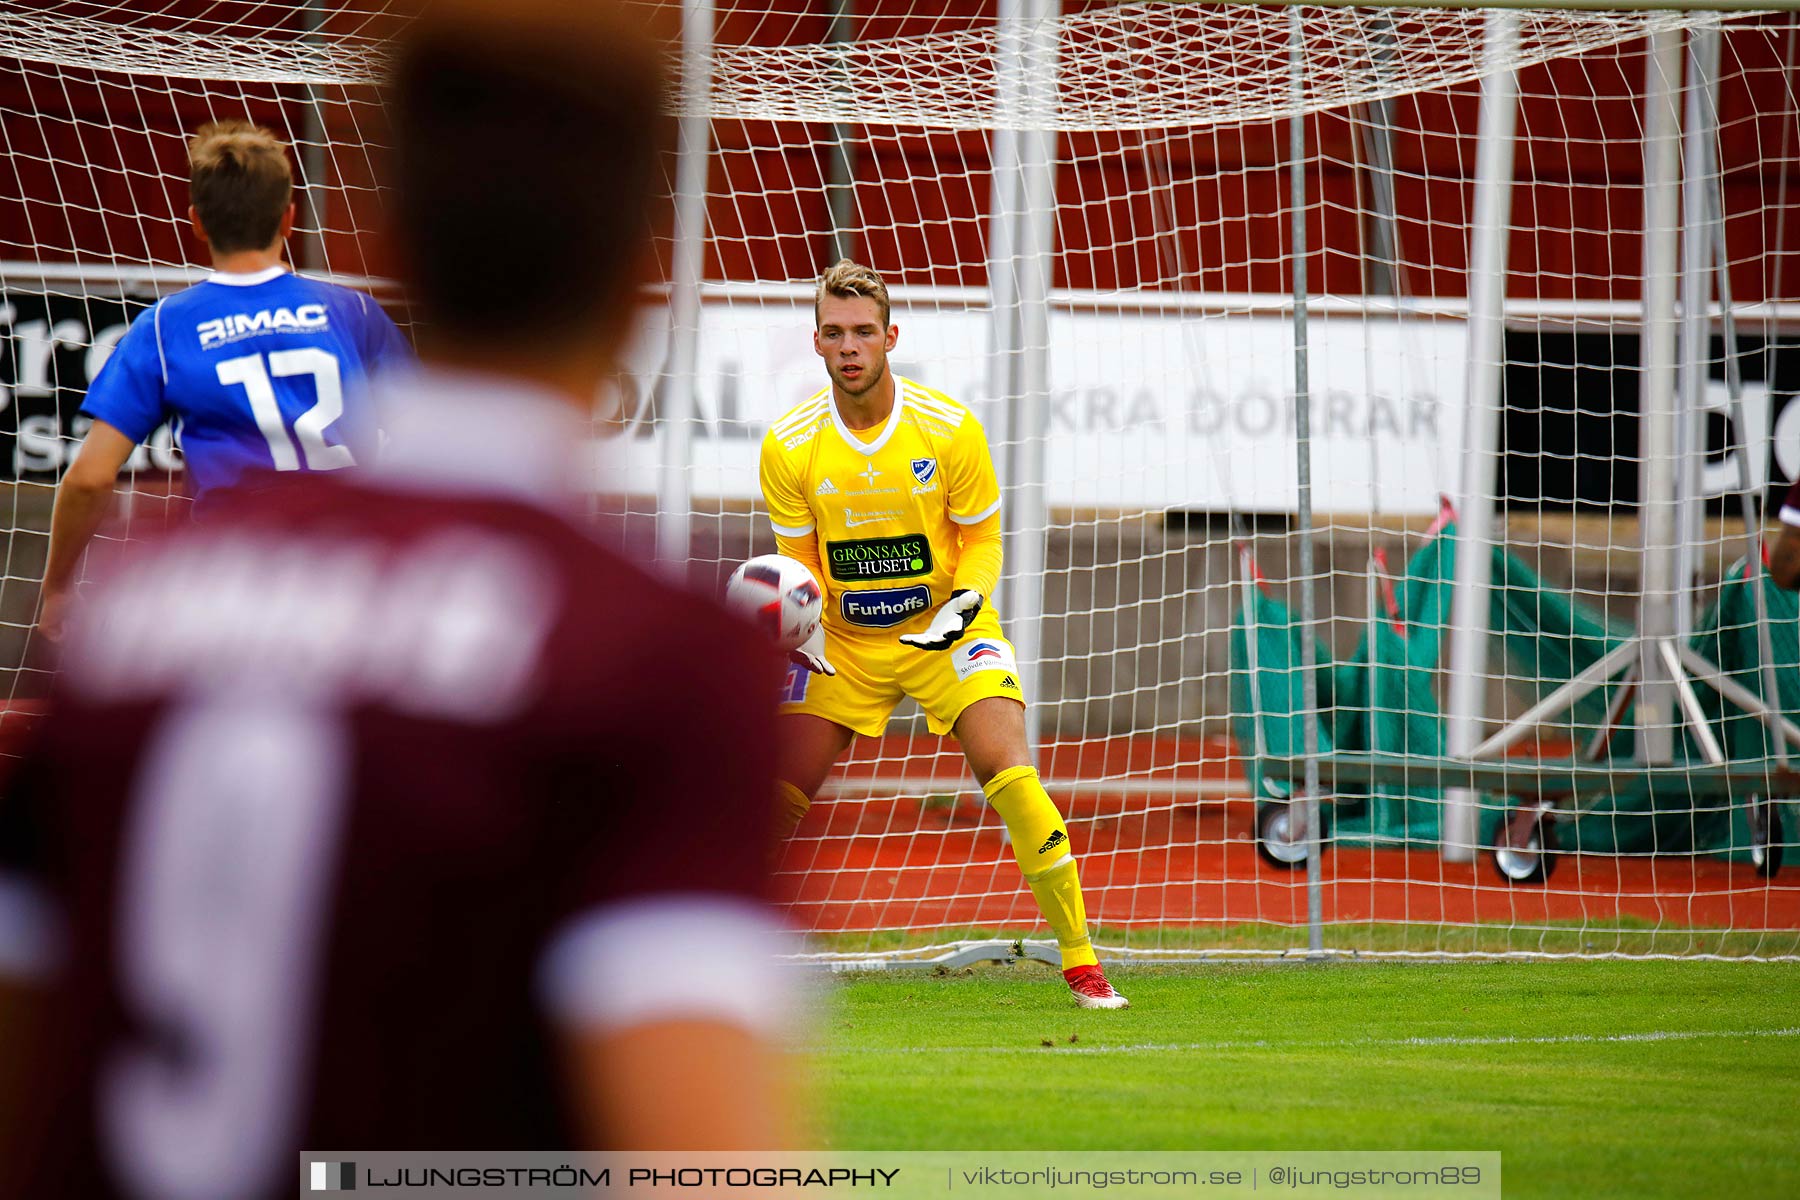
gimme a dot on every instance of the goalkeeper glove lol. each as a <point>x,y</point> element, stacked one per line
<point>811,653</point>
<point>950,623</point>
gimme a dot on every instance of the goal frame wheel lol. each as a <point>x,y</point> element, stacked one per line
<point>1766,837</point>
<point>1281,834</point>
<point>1524,850</point>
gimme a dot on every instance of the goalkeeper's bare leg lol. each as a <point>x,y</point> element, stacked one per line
<point>810,747</point>
<point>992,733</point>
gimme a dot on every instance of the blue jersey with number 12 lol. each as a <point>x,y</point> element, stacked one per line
<point>261,372</point>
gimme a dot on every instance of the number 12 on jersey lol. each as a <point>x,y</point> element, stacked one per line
<point>311,425</point>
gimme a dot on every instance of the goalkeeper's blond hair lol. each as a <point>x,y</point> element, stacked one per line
<point>845,279</point>
<point>239,183</point>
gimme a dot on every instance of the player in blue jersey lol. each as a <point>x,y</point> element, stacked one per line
<point>259,369</point>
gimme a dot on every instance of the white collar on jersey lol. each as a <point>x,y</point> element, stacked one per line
<point>463,431</point>
<point>887,431</point>
<point>250,280</point>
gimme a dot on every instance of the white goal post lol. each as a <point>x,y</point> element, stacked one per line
<point>1250,299</point>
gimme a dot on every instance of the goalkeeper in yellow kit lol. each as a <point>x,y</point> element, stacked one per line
<point>885,489</point>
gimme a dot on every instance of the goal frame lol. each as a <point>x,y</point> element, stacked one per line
<point>1020,259</point>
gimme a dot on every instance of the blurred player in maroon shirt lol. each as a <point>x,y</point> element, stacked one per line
<point>398,813</point>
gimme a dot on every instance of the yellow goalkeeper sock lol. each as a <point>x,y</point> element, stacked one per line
<point>790,809</point>
<point>1058,893</point>
<point>1041,844</point>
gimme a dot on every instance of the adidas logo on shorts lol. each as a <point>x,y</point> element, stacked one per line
<point>1056,839</point>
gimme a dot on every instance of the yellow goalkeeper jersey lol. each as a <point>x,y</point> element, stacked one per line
<point>886,503</point>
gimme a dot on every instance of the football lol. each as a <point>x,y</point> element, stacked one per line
<point>779,596</point>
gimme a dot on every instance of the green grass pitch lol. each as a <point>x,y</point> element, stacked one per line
<point>1593,1079</point>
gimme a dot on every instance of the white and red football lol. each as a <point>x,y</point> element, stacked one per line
<point>779,596</point>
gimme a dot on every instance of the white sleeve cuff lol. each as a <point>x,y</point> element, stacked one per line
<point>977,518</point>
<point>1790,515</point>
<point>30,934</point>
<point>676,956</point>
<point>791,530</point>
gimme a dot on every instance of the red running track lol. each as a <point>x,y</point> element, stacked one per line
<point>883,863</point>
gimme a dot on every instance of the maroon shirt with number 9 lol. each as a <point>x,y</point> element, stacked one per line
<point>323,781</point>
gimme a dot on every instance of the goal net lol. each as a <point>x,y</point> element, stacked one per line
<point>1087,218</point>
<point>97,102</point>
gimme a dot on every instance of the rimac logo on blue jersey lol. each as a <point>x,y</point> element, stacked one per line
<point>880,608</point>
<point>924,469</point>
<point>307,318</point>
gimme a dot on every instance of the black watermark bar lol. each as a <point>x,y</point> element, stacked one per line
<point>893,1175</point>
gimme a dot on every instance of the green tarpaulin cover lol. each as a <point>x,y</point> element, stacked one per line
<point>1383,698</point>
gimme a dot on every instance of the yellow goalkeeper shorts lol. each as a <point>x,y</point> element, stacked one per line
<point>875,669</point>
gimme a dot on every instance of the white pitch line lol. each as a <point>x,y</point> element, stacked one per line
<point>1659,1035</point>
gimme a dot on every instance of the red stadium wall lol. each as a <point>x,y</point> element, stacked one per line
<point>922,198</point>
